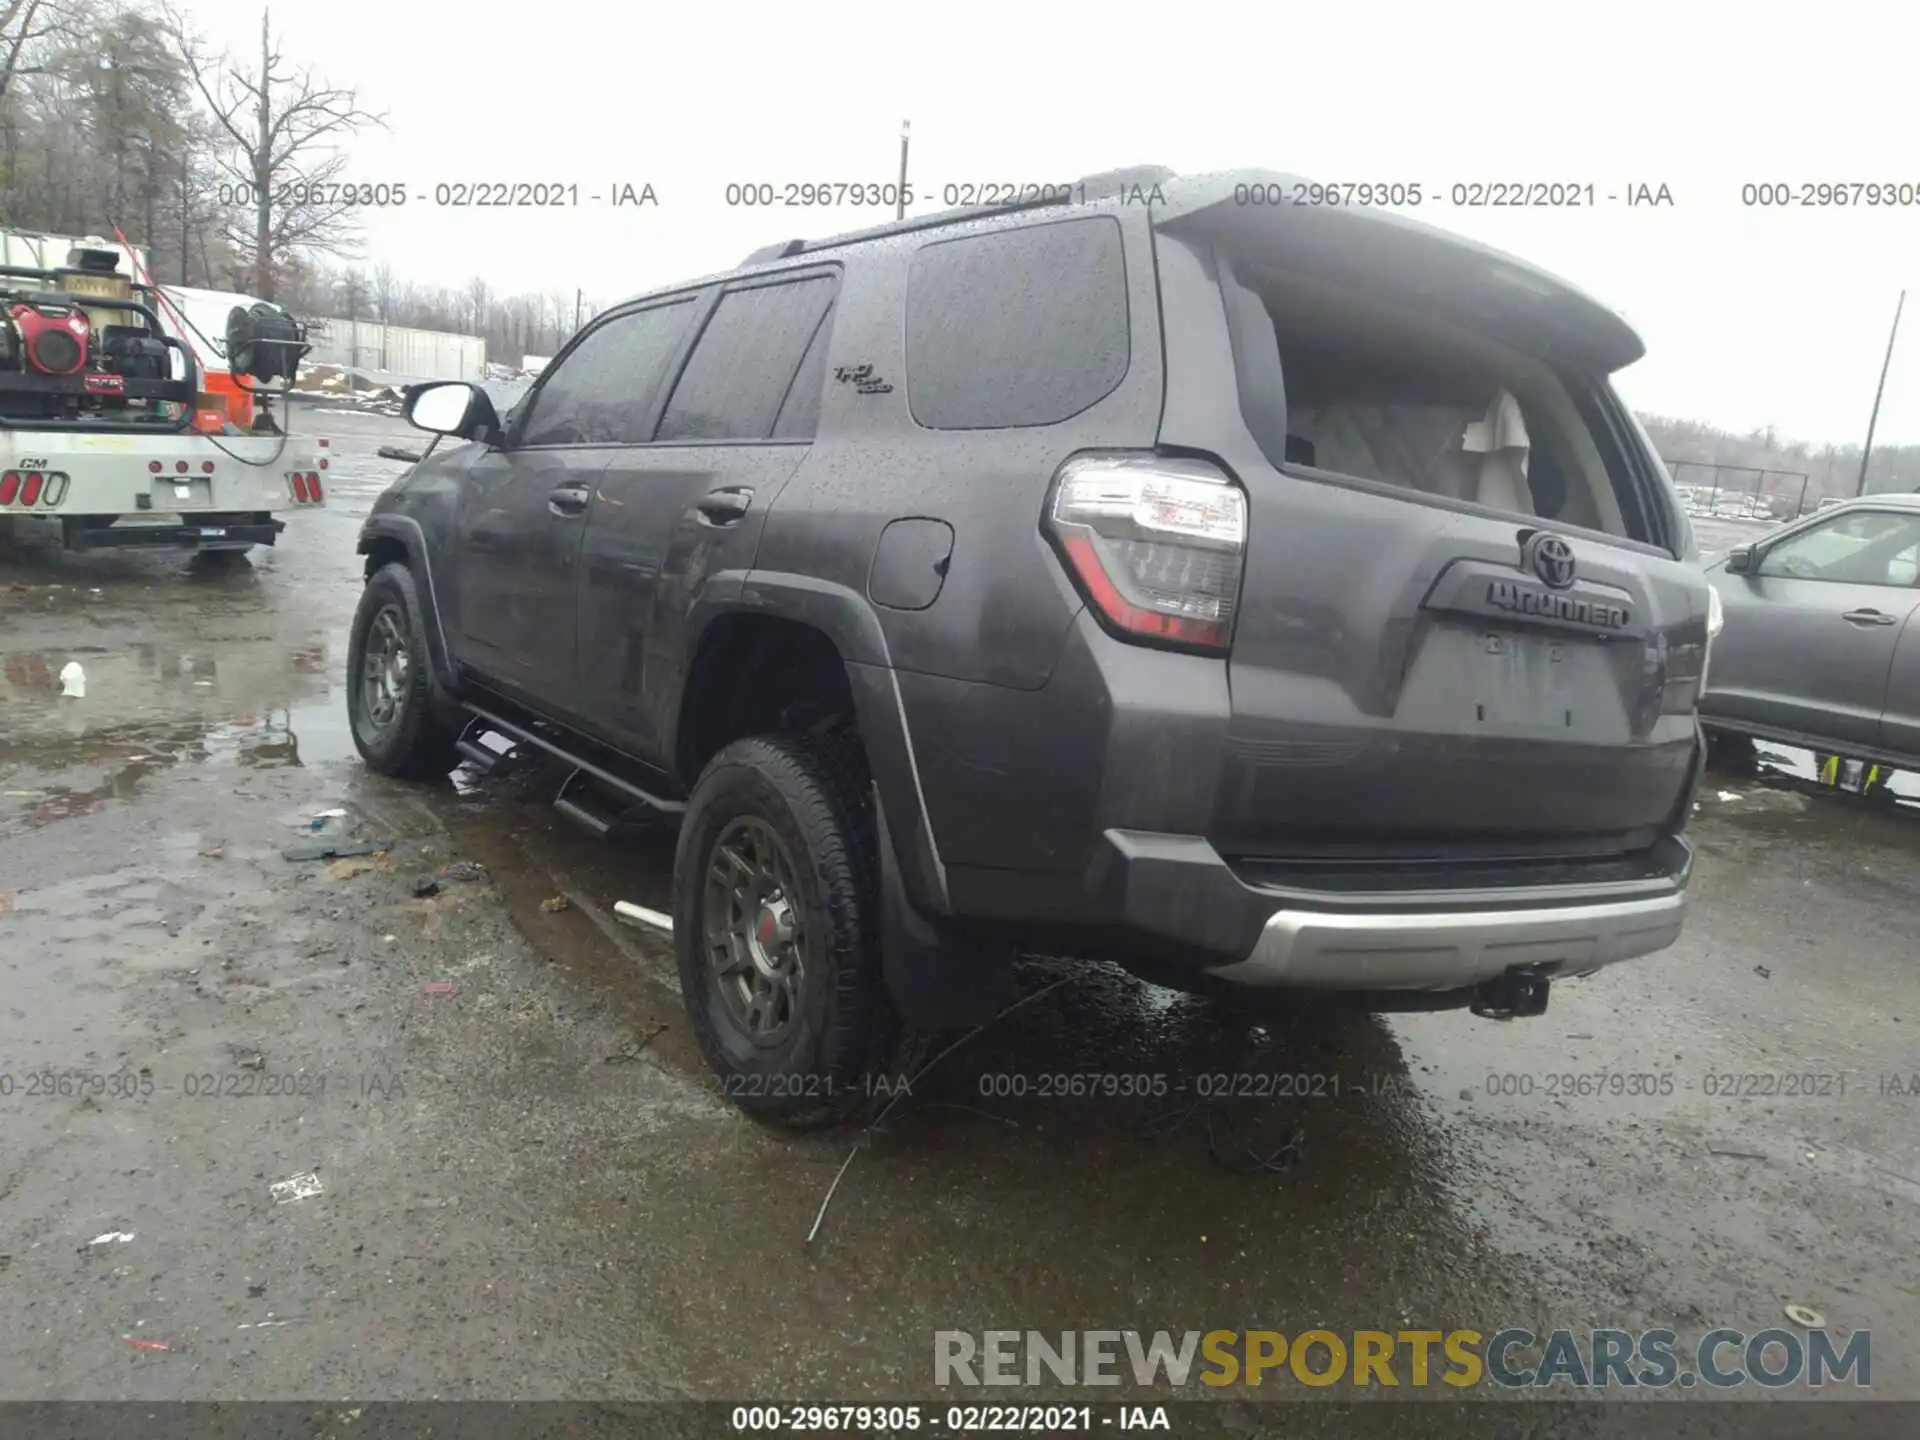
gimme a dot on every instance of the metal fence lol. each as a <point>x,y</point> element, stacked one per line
<point>396,349</point>
<point>1742,491</point>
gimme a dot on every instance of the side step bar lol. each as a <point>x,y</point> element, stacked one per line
<point>481,757</point>
<point>576,801</point>
<point>590,796</point>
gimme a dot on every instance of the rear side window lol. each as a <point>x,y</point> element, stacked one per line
<point>600,391</point>
<point>800,415</point>
<point>1017,327</point>
<point>744,364</point>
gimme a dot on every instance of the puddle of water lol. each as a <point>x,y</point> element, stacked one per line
<point>148,708</point>
<point>240,681</point>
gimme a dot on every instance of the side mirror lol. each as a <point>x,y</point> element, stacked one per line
<point>451,407</point>
<point>1740,560</point>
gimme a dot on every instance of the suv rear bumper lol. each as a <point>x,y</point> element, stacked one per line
<point>1176,889</point>
<point>1450,950</point>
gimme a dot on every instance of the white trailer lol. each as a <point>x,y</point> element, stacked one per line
<point>114,429</point>
<point>183,491</point>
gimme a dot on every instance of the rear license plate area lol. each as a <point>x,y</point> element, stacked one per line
<point>188,490</point>
<point>1478,681</point>
<point>1524,680</point>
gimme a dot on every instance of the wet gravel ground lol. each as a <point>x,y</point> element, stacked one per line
<point>528,1190</point>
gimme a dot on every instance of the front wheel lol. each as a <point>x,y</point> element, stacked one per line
<point>776,921</point>
<point>390,704</point>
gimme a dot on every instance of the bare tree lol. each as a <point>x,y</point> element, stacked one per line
<point>285,127</point>
<point>17,32</point>
<point>383,291</point>
<point>479,298</point>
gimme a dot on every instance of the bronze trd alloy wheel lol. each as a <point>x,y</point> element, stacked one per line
<point>752,930</point>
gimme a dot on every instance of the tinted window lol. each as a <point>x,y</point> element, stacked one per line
<point>801,413</point>
<point>744,363</point>
<point>598,393</point>
<point>1869,547</point>
<point>1018,327</point>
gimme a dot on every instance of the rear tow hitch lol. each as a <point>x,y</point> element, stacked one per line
<point>1519,994</point>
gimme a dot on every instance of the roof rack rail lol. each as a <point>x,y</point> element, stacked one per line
<point>1087,190</point>
<point>782,251</point>
<point>1109,183</point>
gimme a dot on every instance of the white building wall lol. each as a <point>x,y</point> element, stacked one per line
<point>397,349</point>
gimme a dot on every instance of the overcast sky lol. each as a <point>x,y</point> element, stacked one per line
<point>1752,316</point>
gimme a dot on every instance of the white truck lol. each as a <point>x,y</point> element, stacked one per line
<point>123,422</point>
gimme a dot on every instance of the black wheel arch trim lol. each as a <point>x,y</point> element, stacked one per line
<point>848,621</point>
<point>406,532</point>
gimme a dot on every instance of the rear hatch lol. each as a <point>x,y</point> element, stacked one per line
<point>1470,627</point>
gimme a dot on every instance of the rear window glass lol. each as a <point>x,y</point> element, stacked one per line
<point>801,412</point>
<point>1388,393</point>
<point>1017,327</point>
<point>744,362</point>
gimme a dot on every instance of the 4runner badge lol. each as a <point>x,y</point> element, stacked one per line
<point>863,379</point>
<point>1525,600</point>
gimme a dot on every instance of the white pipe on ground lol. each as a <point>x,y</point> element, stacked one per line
<point>640,915</point>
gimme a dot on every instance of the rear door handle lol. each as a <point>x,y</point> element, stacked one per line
<point>568,500</point>
<point>725,507</point>
<point>1868,617</point>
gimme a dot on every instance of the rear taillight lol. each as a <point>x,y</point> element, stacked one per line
<point>9,486</point>
<point>1155,543</point>
<point>30,492</point>
<point>313,487</point>
<point>299,487</point>
<point>1684,664</point>
<point>56,488</point>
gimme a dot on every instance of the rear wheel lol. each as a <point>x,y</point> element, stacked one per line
<point>389,696</point>
<point>776,921</point>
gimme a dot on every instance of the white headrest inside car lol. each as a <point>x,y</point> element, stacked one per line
<point>1501,440</point>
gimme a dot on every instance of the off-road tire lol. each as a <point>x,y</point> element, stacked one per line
<point>419,744</point>
<point>846,1055</point>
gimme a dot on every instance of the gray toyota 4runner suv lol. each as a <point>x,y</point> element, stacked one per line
<point>1259,594</point>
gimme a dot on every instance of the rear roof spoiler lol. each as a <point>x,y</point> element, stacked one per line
<point>1437,265</point>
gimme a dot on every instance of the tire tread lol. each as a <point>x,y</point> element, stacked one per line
<point>423,748</point>
<point>822,780</point>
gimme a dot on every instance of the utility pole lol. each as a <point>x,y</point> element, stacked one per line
<point>1866,454</point>
<point>900,207</point>
<point>353,318</point>
<point>577,294</point>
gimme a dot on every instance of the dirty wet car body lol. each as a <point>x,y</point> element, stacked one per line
<point>1046,647</point>
<point>532,1187</point>
<point>1820,649</point>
